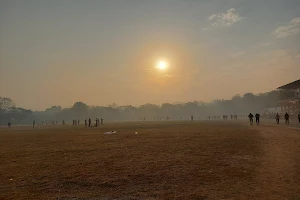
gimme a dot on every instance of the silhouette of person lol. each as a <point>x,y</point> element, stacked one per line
<point>257,116</point>
<point>33,123</point>
<point>287,118</point>
<point>277,117</point>
<point>9,124</point>
<point>90,121</point>
<point>101,121</point>
<point>299,117</point>
<point>250,118</point>
<point>96,122</point>
<point>192,118</point>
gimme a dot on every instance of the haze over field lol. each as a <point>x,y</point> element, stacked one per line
<point>134,52</point>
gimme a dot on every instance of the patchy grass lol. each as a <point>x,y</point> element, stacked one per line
<point>176,160</point>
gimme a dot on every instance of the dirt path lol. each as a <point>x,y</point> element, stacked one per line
<point>279,173</point>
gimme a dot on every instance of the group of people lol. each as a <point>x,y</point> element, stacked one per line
<point>88,122</point>
<point>76,122</point>
<point>257,116</point>
<point>277,117</point>
<point>286,117</point>
<point>225,117</point>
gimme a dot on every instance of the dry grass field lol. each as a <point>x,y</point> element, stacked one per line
<point>176,160</point>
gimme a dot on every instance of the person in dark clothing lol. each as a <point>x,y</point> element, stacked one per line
<point>192,118</point>
<point>101,121</point>
<point>90,122</point>
<point>257,116</point>
<point>277,117</point>
<point>250,118</point>
<point>96,122</point>
<point>299,116</point>
<point>9,124</point>
<point>33,123</point>
<point>287,118</point>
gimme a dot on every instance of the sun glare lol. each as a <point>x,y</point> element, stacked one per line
<point>162,65</point>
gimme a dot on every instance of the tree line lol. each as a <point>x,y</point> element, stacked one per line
<point>238,104</point>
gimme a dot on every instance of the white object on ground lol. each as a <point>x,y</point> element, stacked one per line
<point>110,132</point>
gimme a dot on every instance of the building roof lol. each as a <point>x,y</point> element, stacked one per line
<point>291,86</point>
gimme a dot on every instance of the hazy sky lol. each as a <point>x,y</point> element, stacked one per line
<point>57,52</point>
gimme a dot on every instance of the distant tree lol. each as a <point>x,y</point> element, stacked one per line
<point>6,103</point>
<point>19,114</point>
<point>54,109</point>
<point>79,107</point>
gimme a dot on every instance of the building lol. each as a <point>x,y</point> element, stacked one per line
<point>292,104</point>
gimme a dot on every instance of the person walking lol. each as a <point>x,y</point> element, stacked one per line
<point>90,122</point>
<point>277,117</point>
<point>257,116</point>
<point>96,122</point>
<point>250,118</point>
<point>287,118</point>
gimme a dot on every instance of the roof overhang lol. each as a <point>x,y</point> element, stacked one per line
<point>291,86</point>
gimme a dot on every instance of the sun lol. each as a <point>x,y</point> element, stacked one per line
<point>162,65</point>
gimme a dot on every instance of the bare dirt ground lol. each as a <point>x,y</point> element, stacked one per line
<point>176,160</point>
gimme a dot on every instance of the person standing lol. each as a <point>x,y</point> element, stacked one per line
<point>9,124</point>
<point>277,117</point>
<point>90,122</point>
<point>299,117</point>
<point>192,118</point>
<point>101,121</point>
<point>257,116</point>
<point>33,123</point>
<point>96,122</point>
<point>250,118</point>
<point>287,118</point>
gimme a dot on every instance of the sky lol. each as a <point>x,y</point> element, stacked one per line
<point>99,52</point>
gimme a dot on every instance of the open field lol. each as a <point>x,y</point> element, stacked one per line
<point>176,160</point>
